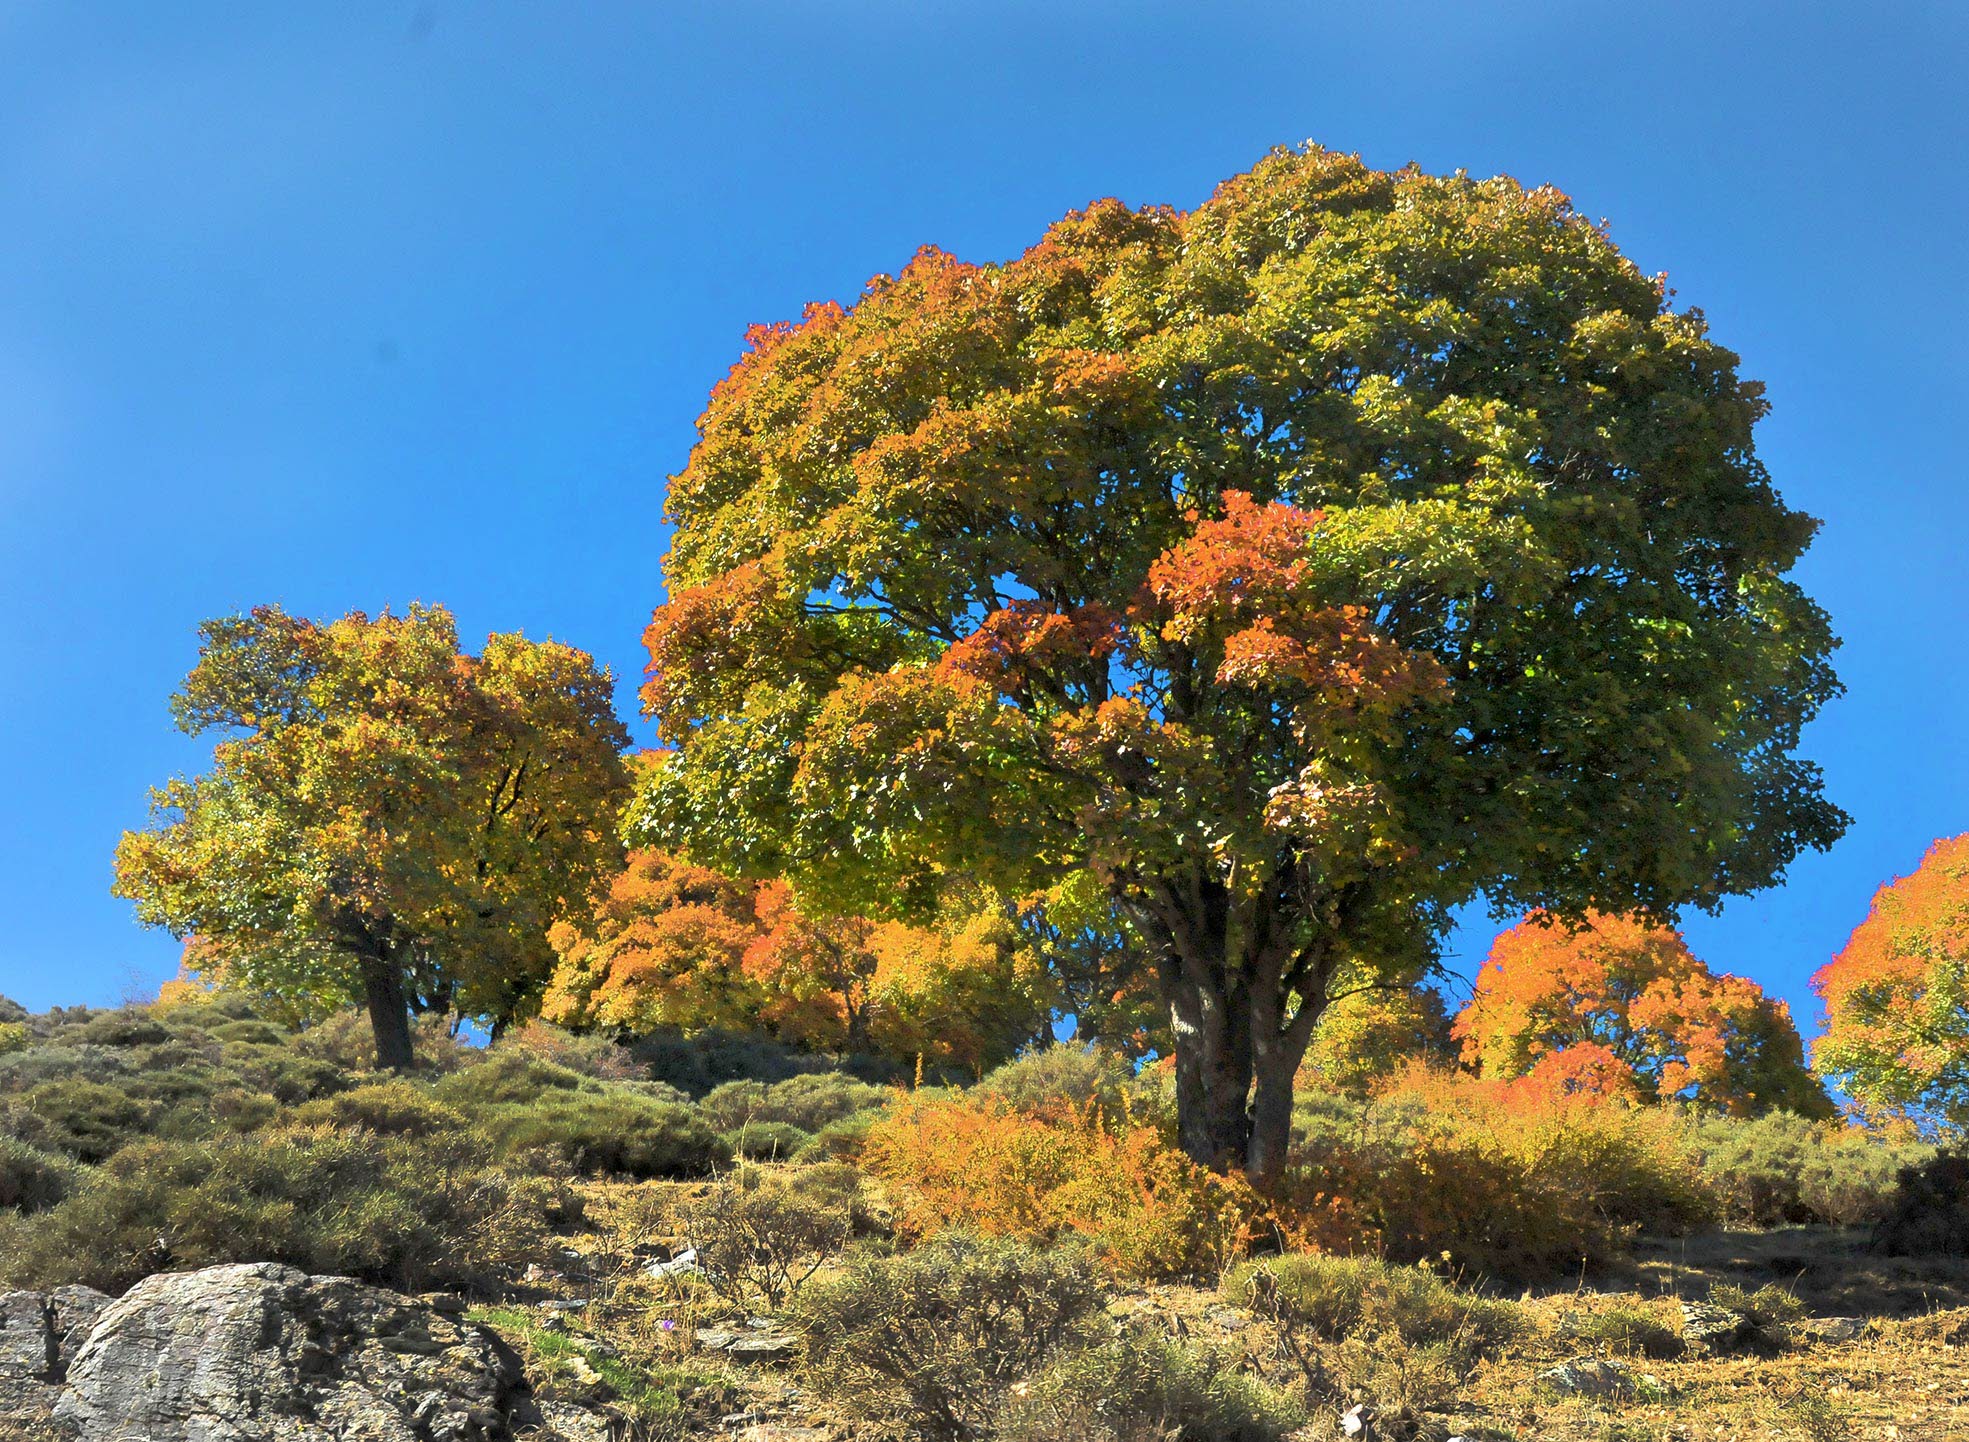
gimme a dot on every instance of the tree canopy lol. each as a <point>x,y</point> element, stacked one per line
<point>387,819</point>
<point>1897,996</point>
<point>1623,1005</point>
<point>1297,567</point>
<point>672,944</point>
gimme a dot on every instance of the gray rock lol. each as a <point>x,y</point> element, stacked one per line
<point>1593,1377</point>
<point>564,1422</point>
<point>1832,1329</point>
<point>40,1333</point>
<point>259,1352</point>
<point>1713,1331</point>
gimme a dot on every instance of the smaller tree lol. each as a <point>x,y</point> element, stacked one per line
<point>1372,1032</point>
<point>673,944</point>
<point>387,820</point>
<point>1897,996</point>
<point>1627,991</point>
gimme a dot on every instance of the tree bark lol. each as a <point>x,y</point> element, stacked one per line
<point>384,994</point>
<point>1239,1040</point>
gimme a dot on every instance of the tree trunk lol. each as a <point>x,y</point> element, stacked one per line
<point>1239,1040</point>
<point>389,1013</point>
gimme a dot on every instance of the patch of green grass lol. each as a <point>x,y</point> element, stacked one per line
<point>655,1396</point>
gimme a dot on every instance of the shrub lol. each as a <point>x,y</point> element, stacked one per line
<point>1064,1080</point>
<point>1769,1312</point>
<point>1629,1328</point>
<point>32,1180</point>
<point>842,1141</point>
<point>612,1131</point>
<point>346,1042</point>
<point>703,1060</point>
<point>1143,1389</point>
<point>1334,1298</point>
<point>391,1109</point>
<point>405,1212</point>
<point>125,1026</point>
<point>89,1120</point>
<point>766,1141</point>
<point>590,1054</point>
<point>936,1338</point>
<point>507,1077</point>
<point>974,1164</point>
<point>1929,1213</point>
<point>808,1102</point>
<point>1510,1183</point>
<point>14,1036</point>
<point>48,1062</point>
<point>1359,1327</point>
<point>1781,1168</point>
<point>761,1236</point>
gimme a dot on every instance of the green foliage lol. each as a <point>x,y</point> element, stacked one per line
<point>766,1141</point>
<point>1630,1329</point>
<point>1334,1298</point>
<point>1065,1077</point>
<point>1782,1168</point>
<point>559,1365</point>
<point>32,1180</point>
<point>606,1132</point>
<point>809,1101</point>
<point>1304,565</point>
<point>386,817</point>
<point>1361,1327</point>
<point>1145,1389</point>
<point>936,1338</point>
<point>388,1108</point>
<point>88,1120</point>
<point>406,1212</point>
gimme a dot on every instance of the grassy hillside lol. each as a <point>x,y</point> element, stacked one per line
<point>689,1231</point>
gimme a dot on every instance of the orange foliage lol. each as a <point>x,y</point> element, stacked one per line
<point>1629,995</point>
<point>1897,995</point>
<point>955,1162</point>
<point>677,945</point>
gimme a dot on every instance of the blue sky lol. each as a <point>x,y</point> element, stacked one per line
<point>348,305</point>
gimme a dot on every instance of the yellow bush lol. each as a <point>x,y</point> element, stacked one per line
<point>958,1163</point>
<point>1506,1180</point>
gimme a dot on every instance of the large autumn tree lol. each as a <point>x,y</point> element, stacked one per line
<point>1628,996</point>
<point>1897,996</point>
<point>1299,567</point>
<point>386,820</point>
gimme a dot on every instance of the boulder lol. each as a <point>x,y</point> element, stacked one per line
<point>40,1333</point>
<point>1598,1378</point>
<point>258,1352</point>
<point>1712,1331</point>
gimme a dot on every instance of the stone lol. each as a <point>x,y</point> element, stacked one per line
<point>684,1264</point>
<point>1712,1331</point>
<point>762,1347</point>
<point>259,1352</point>
<point>1832,1329</point>
<point>1358,1421</point>
<point>1591,1377</point>
<point>40,1333</point>
<point>564,1422</point>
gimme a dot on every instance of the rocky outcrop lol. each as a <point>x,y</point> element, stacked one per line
<point>40,1333</point>
<point>260,1352</point>
<point>256,1352</point>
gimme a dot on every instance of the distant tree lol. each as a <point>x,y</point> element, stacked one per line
<point>1370,1034</point>
<point>1300,567</point>
<point>388,820</point>
<point>1570,1006</point>
<point>1897,996</point>
<point>1103,992</point>
<point>671,944</point>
